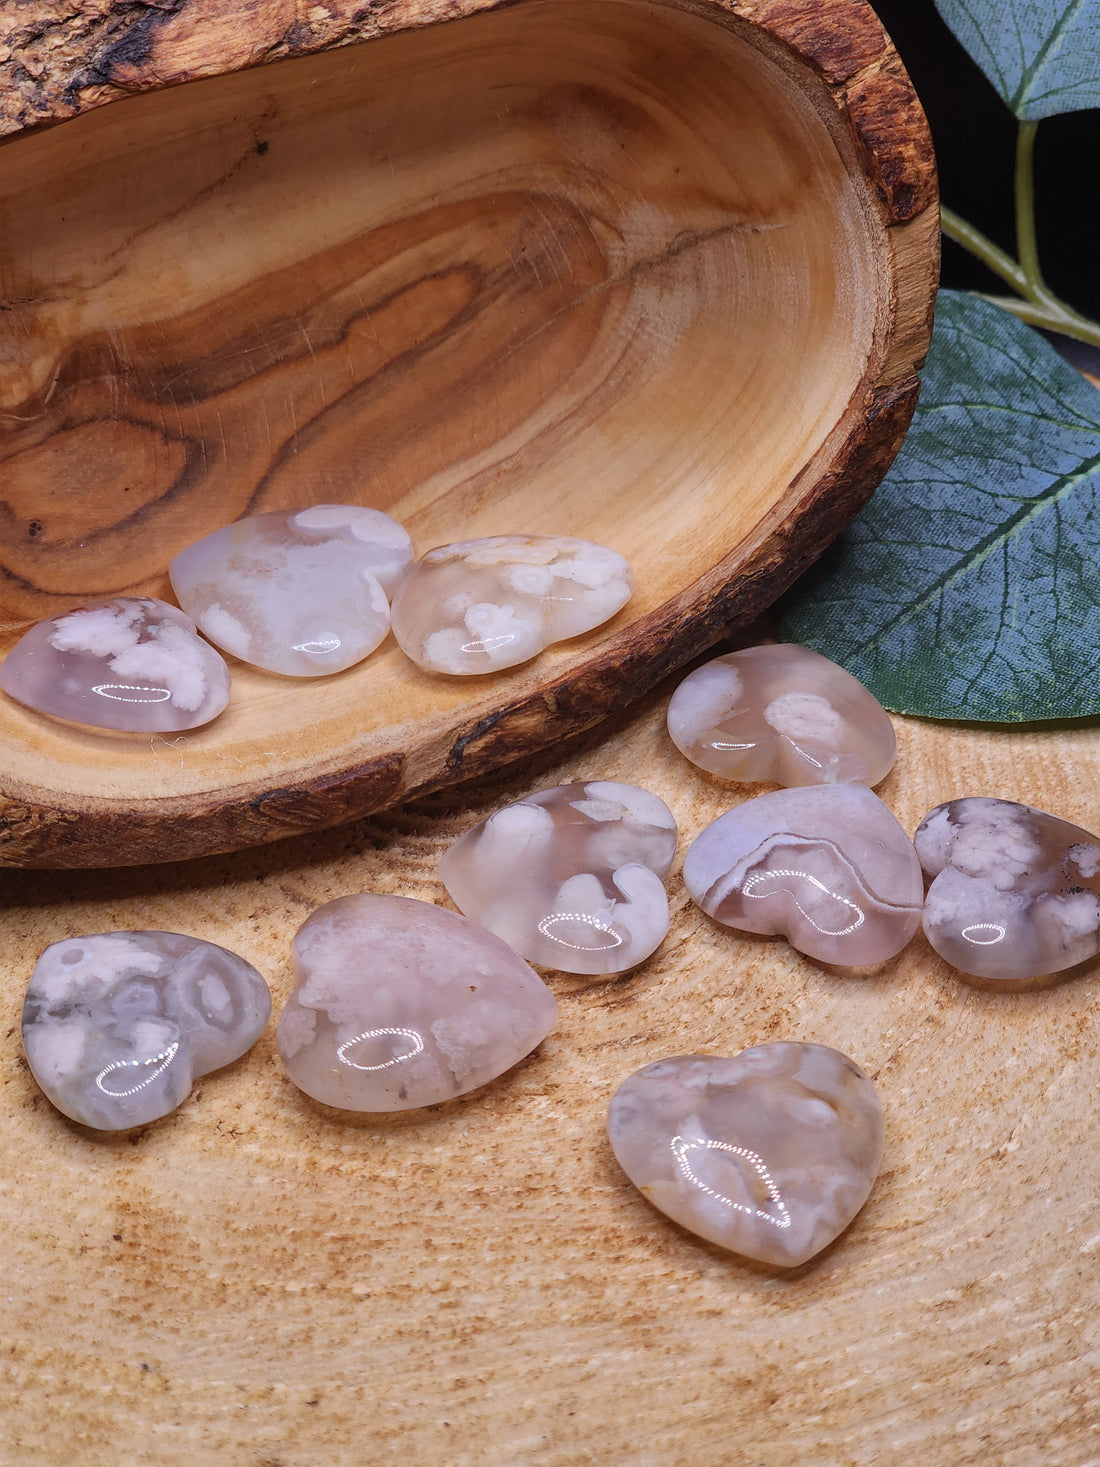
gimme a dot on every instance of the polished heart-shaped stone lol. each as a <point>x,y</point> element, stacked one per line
<point>781,714</point>
<point>401,1004</point>
<point>481,605</point>
<point>1016,892</point>
<point>133,664</point>
<point>117,1025</point>
<point>770,1154</point>
<point>571,877</point>
<point>827,866</point>
<point>302,592</point>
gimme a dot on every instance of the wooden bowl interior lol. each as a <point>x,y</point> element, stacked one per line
<point>603,270</point>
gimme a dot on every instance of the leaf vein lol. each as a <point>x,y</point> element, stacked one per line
<point>1022,94</point>
<point>997,538</point>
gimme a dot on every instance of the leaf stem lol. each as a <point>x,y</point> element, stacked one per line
<point>1047,320</point>
<point>983,248</point>
<point>1039,306</point>
<point>1026,245</point>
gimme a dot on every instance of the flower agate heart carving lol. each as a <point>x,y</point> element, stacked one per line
<point>116,1026</point>
<point>827,866</point>
<point>481,605</point>
<point>770,1154</point>
<point>301,592</point>
<point>783,714</point>
<point>400,1004</point>
<point>571,877</point>
<point>134,664</point>
<point>1016,892</point>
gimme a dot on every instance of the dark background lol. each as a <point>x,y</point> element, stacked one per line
<point>975,137</point>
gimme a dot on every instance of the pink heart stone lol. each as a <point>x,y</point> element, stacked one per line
<point>117,1025</point>
<point>1016,892</point>
<point>571,877</point>
<point>302,592</point>
<point>770,1154</point>
<point>782,714</point>
<point>827,866</point>
<point>400,1004</point>
<point>481,605</point>
<point>134,664</point>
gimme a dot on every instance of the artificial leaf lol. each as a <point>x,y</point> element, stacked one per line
<point>1043,56</point>
<point>969,588</point>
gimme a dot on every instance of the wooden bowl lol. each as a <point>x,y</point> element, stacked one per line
<point>658,275</point>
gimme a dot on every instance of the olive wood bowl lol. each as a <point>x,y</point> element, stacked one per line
<point>659,275</point>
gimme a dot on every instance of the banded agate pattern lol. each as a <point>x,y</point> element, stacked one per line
<point>828,866</point>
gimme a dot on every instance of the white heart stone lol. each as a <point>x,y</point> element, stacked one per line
<point>782,714</point>
<point>571,877</point>
<point>1016,893</point>
<point>117,1025</point>
<point>481,605</point>
<point>401,1004</point>
<point>134,664</point>
<point>301,592</point>
<point>770,1154</point>
<point>827,866</point>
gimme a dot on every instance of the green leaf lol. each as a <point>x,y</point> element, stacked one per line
<point>1043,56</point>
<point>969,588</point>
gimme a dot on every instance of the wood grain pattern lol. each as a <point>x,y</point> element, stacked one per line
<point>261,1281</point>
<point>659,277</point>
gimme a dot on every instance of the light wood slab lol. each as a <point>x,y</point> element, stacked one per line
<point>656,275</point>
<point>261,1282</point>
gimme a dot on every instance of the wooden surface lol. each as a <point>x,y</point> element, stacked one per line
<point>258,1281</point>
<point>654,275</point>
